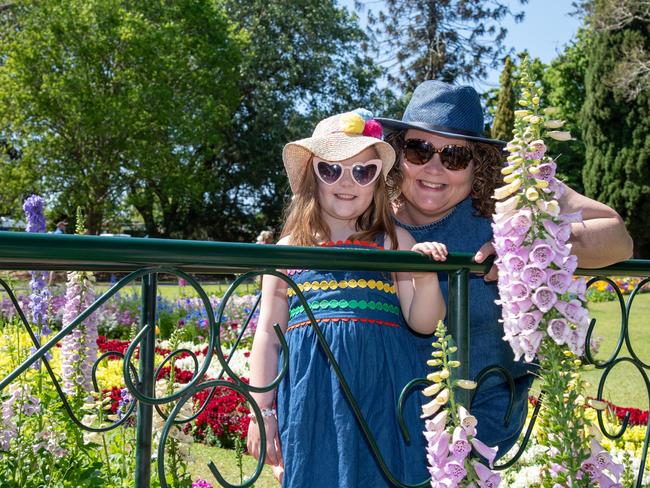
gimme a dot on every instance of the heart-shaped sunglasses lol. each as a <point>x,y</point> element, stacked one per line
<point>453,157</point>
<point>363,174</point>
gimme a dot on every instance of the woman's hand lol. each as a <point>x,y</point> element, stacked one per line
<point>481,255</point>
<point>273,451</point>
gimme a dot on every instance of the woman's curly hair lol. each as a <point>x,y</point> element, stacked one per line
<point>488,160</point>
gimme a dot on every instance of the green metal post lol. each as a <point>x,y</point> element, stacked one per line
<point>458,326</point>
<point>146,384</point>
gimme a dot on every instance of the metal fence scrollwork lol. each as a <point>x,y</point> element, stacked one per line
<point>145,259</point>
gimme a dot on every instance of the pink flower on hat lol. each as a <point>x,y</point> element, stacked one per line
<point>372,129</point>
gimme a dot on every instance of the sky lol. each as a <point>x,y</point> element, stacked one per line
<point>546,28</point>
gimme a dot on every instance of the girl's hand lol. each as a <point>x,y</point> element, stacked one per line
<point>278,473</point>
<point>273,451</point>
<point>435,250</point>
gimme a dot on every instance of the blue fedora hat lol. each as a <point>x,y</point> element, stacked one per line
<point>444,109</point>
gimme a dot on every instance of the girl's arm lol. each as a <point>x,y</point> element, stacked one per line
<point>264,363</point>
<point>419,293</point>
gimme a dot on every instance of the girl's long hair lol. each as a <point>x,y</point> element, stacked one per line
<point>303,220</point>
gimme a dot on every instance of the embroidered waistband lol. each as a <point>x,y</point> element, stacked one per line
<point>333,285</point>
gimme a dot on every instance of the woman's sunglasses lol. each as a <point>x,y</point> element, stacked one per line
<point>452,156</point>
<point>362,173</point>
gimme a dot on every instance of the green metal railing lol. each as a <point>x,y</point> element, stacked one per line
<point>145,259</point>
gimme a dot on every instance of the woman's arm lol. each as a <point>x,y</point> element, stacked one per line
<point>601,239</point>
<point>419,293</point>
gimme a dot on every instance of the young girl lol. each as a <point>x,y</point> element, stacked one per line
<point>314,440</point>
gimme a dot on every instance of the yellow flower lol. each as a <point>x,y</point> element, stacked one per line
<point>352,123</point>
<point>541,183</point>
<point>435,377</point>
<point>531,194</point>
<point>511,177</point>
<point>551,110</point>
<point>507,190</point>
<point>554,124</point>
<point>432,389</point>
<point>466,384</point>
<point>560,135</point>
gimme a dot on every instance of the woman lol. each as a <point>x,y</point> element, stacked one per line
<point>444,178</point>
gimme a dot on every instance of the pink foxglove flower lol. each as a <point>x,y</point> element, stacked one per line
<point>79,348</point>
<point>451,435</point>
<point>542,305</point>
<point>487,478</point>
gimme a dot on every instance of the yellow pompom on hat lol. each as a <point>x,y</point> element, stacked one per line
<point>337,138</point>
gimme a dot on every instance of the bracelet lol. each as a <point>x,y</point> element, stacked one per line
<point>266,412</point>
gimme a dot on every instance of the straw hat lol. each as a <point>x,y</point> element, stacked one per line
<point>337,138</point>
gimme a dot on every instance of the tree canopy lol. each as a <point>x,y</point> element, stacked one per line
<point>617,134</point>
<point>172,113</point>
<point>447,40</point>
<point>103,97</point>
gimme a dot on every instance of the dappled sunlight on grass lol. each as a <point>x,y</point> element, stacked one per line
<point>226,462</point>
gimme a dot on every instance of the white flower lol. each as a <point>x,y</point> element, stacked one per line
<point>560,135</point>
<point>554,124</point>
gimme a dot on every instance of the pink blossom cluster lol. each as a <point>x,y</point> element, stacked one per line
<point>79,348</point>
<point>537,292</point>
<point>20,402</point>
<point>448,450</point>
<point>599,468</point>
<point>597,464</point>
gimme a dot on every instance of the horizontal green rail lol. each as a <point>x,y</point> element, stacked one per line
<point>21,250</point>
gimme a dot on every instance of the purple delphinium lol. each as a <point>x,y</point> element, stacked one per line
<point>34,207</point>
<point>39,298</point>
<point>123,404</point>
<point>79,348</point>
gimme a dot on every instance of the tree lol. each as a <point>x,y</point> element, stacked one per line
<point>439,39</point>
<point>504,118</point>
<point>306,62</point>
<point>617,134</point>
<point>103,97</point>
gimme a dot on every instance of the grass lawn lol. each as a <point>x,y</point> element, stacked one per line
<point>226,462</point>
<point>625,385</point>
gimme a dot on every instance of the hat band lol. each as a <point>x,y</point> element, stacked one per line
<point>444,128</point>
